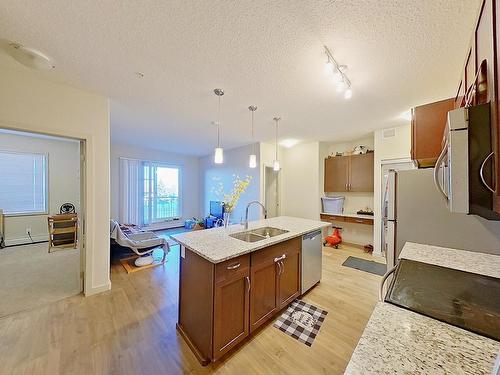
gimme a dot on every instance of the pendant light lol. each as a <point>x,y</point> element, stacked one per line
<point>276,163</point>
<point>219,152</point>
<point>252,161</point>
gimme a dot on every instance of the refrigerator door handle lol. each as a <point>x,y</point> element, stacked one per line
<point>436,170</point>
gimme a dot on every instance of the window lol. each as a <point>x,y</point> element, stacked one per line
<point>23,183</point>
<point>161,192</point>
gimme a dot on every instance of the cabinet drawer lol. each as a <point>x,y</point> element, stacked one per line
<point>332,218</point>
<point>357,220</point>
<point>229,268</point>
<point>268,254</point>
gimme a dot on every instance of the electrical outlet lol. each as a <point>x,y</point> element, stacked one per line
<point>28,231</point>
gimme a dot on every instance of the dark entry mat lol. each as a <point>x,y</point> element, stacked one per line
<point>366,265</point>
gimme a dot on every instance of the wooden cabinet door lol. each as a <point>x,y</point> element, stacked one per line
<point>428,124</point>
<point>289,277</point>
<point>484,49</point>
<point>263,290</point>
<point>336,174</point>
<point>231,312</point>
<point>496,123</point>
<point>361,172</point>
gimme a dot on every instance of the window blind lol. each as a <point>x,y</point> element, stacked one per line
<point>23,183</point>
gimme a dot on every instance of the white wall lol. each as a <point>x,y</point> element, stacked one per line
<point>63,182</point>
<point>30,102</point>
<point>359,234</point>
<point>235,163</point>
<point>190,185</point>
<point>393,148</point>
<point>300,181</point>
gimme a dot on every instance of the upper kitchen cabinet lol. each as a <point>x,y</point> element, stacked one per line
<point>361,172</point>
<point>427,127</point>
<point>337,173</point>
<point>349,173</point>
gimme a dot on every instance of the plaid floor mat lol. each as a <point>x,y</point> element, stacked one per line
<point>302,321</point>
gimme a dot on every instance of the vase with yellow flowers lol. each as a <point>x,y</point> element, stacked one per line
<point>230,200</point>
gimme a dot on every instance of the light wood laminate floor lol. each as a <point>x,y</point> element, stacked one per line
<point>131,329</point>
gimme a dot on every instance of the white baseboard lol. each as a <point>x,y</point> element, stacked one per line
<point>98,289</point>
<point>26,240</point>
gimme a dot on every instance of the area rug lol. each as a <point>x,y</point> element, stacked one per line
<point>366,265</point>
<point>301,321</point>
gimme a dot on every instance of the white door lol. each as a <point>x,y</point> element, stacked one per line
<point>272,192</point>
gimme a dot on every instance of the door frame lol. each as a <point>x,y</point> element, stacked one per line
<point>278,188</point>
<point>86,144</point>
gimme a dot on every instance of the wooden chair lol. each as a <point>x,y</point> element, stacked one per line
<point>62,231</point>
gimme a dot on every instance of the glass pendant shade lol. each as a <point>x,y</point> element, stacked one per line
<point>219,155</point>
<point>252,161</point>
<point>276,165</point>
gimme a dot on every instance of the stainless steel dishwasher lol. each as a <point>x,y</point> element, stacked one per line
<point>311,259</point>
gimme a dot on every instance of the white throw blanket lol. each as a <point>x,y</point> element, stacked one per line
<point>137,241</point>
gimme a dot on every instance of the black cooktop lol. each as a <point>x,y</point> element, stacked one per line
<point>466,300</point>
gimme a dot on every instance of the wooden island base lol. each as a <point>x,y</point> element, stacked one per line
<point>221,304</point>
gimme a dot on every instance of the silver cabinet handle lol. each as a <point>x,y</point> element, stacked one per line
<point>347,186</point>
<point>359,221</point>
<point>279,267</point>
<point>279,258</point>
<point>384,279</point>
<point>234,266</point>
<point>248,283</point>
<point>282,267</point>
<point>436,170</point>
<point>481,172</point>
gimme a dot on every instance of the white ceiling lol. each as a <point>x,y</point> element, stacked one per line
<point>399,53</point>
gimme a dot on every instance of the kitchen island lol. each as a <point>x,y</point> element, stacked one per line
<point>233,280</point>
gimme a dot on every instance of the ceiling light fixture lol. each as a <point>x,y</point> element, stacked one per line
<point>252,161</point>
<point>289,142</point>
<point>219,152</point>
<point>339,74</point>
<point>30,57</point>
<point>276,163</point>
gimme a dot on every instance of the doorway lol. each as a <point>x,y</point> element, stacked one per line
<point>42,174</point>
<point>272,191</point>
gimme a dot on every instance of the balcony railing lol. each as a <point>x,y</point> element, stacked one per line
<point>162,208</point>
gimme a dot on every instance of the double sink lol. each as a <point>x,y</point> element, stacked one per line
<point>258,234</point>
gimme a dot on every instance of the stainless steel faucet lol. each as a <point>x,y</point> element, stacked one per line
<point>246,212</point>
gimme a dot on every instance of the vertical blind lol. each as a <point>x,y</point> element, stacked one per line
<point>23,183</point>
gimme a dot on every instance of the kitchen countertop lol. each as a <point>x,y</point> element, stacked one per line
<point>399,341</point>
<point>350,214</point>
<point>469,261</point>
<point>216,245</point>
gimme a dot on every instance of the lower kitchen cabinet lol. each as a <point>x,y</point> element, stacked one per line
<point>288,279</point>
<point>222,304</point>
<point>231,312</point>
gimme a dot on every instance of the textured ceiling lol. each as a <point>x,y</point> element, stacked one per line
<point>267,53</point>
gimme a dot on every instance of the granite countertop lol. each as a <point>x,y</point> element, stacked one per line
<point>469,261</point>
<point>399,341</point>
<point>216,245</point>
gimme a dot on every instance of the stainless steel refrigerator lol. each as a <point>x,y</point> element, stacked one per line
<point>413,210</point>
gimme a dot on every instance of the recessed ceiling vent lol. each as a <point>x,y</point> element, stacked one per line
<point>389,133</point>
